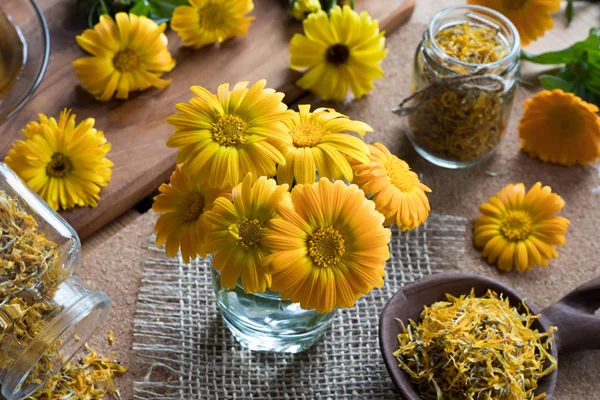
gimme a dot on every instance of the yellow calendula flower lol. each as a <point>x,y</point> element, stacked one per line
<point>532,18</point>
<point>183,204</point>
<point>316,142</point>
<point>340,52</point>
<point>63,162</point>
<point>238,230</point>
<point>330,249</point>
<point>211,21</point>
<point>226,135</point>
<point>561,128</point>
<point>128,54</point>
<point>398,192</point>
<point>519,229</point>
<point>303,8</point>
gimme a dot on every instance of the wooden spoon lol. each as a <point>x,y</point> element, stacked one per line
<point>578,327</point>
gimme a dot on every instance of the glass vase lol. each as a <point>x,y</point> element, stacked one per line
<point>264,322</point>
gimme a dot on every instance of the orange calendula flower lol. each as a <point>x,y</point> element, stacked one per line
<point>330,249</point>
<point>211,21</point>
<point>129,53</point>
<point>183,204</point>
<point>64,162</point>
<point>224,136</point>
<point>561,128</point>
<point>519,229</point>
<point>398,192</point>
<point>316,142</point>
<point>238,227</point>
<point>532,18</point>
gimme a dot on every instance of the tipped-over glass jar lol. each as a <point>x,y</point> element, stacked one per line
<point>46,312</point>
<point>465,76</point>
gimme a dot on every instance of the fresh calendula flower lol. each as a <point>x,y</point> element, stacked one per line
<point>328,250</point>
<point>532,18</point>
<point>397,191</point>
<point>211,21</point>
<point>316,142</point>
<point>341,52</point>
<point>303,8</point>
<point>561,128</point>
<point>519,229</point>
<point>238,226</point>
<point>228,134</point>
<point>183,204</point>
<point>63,162</point>
<point>129,53</point>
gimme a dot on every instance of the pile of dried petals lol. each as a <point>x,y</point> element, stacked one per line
<point>90,378</point>
<point>476,348</point>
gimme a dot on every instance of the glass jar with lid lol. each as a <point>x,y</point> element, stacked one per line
<point>46,312</point>
<point>465,75</point>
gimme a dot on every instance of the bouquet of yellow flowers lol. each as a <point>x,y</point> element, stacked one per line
<point>267,192</point>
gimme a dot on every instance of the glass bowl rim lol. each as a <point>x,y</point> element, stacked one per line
<point>42,71</point>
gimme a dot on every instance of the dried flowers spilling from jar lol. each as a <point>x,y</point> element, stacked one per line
<point>464,80</point>
<point>472,347</point>
<point>560,128</point>
<point>30,272</point>
<point>63,162</point>
<point>334,61</point>
<point>261,235</point>
<point>520,229</point>
<point>531,17</point>
<point>89,378</point>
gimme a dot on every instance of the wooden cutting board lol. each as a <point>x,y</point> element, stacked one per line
<point>137,128</point>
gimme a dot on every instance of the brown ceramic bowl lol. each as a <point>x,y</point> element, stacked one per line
<point>578,327</point>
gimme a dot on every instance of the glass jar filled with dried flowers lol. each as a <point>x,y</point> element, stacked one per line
<point>46,312</point>
<point>464,79</point>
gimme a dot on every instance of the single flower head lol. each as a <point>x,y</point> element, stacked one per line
<point>330,249</point>
<point>303,8</point>
<point>238,226</point>
<point>183,204</point>
<point>226,135</point>
<point>211,21</point>
<point>62,162</point>
<point>129,53</point>
<point>397,191</point>
<point>520,229</point>
<point>316,142</point>
<point>561,128</point>
<point>532,18</point>
<point>340,52</point>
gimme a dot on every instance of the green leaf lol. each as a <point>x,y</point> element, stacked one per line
<point>569,11</point>
<point>569,55</point>
<point>551,82</point>
<point>140,8</point>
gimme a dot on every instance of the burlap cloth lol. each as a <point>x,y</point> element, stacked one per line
<point>116,266</point>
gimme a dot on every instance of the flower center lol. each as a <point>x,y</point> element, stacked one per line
<point>125,60</point>
<point>192,207</point>
<point>59,166</point>
<point>516,225</point>
<point>307,134</point>
<point>249,232</point>
<point>211,16</point>
<point>338,54</point>
<point>514,4</point>
<point>401,176</point>
<point>326,247</point>
<point>228,130</point>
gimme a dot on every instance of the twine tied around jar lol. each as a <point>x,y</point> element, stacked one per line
<point>478,81</point>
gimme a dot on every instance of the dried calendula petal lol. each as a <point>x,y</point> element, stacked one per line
<point>111,337</point>
<point>476,348</point>
<point>89,378</point>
